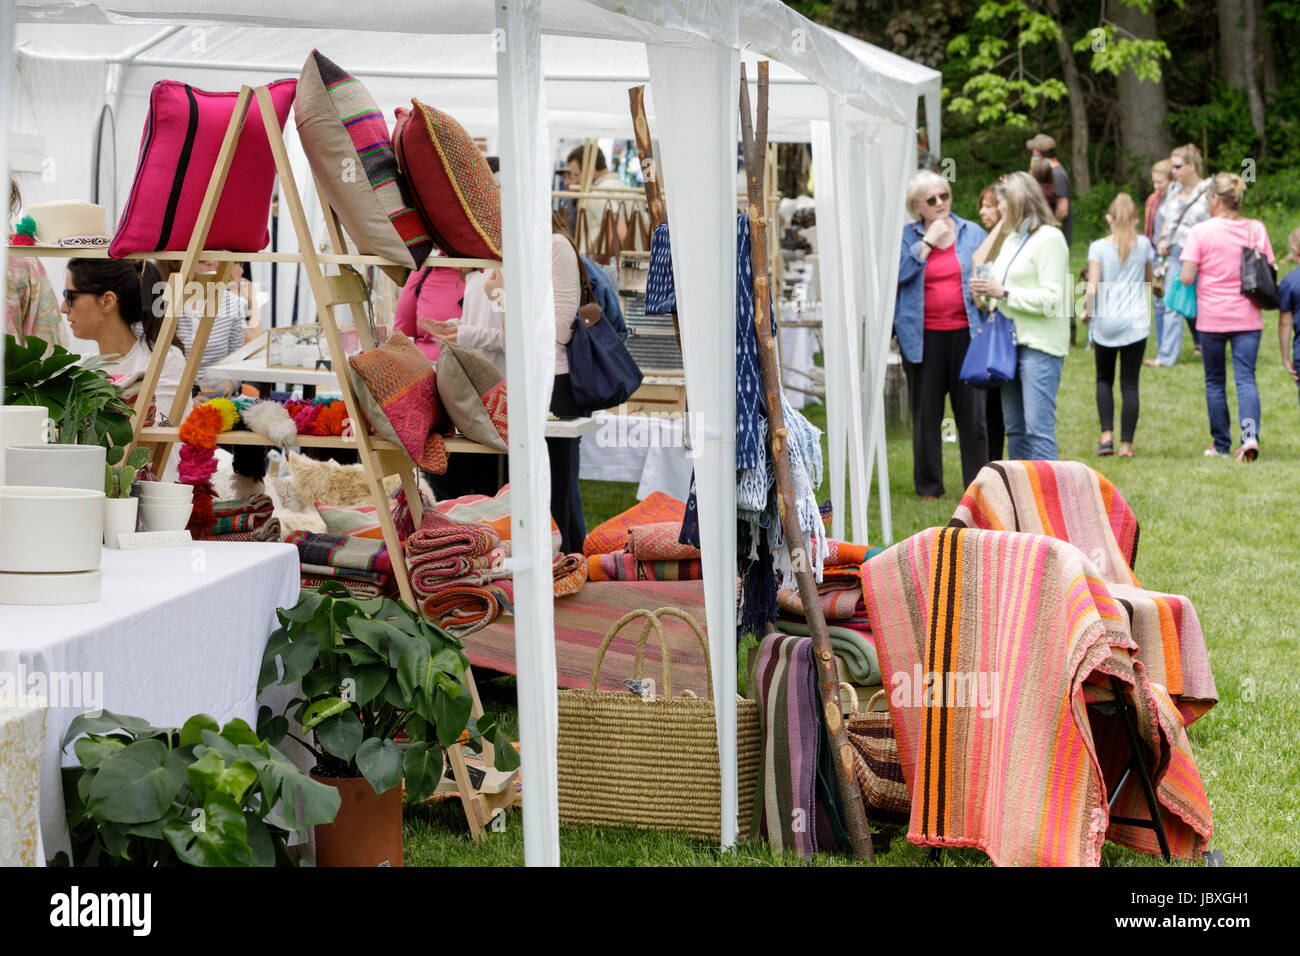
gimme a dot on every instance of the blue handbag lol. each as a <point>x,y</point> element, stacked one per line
<point>602,373</point>
<point>991,357</point>
<point>1180,298</point>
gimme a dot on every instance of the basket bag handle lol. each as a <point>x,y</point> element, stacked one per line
<point>853,696</point>
<point>652,621</point>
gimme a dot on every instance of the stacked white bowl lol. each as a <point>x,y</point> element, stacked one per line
<point>50,545</point>
<point>164,505</point>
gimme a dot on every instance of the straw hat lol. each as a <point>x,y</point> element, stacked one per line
<point>1042,142</point>
<point>70,222</point>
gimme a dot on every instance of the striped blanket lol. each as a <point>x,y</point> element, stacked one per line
<point>360,589</point>
<point>625,567</point>
<point>854,648</point>
<point>341,552</point>
<point>464,609</point>
<point>987,641</point>
<point>840,600</point>
<point>1070,501</point>
<point>570,574</point>
<point>240,515</point>
<point>610,536</point>
<point>658,542</point>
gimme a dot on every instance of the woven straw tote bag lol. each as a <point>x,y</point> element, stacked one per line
<point>876,763</point>
<point>628,760</point>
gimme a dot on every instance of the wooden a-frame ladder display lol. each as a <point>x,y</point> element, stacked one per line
<point>379,457</point>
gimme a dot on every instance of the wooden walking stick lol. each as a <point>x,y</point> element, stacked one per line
<point>795,539</point>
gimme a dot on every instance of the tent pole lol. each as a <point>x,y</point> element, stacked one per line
<point>828,679</point>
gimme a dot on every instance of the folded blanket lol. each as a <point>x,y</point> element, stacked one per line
<point>570,572</point>
<point>359,589</point>
<point>242,514</point>
<point>464,609</point>
<point>854,648</point>
<point>341,552</point>
<point>437,564</point>
<point>424,586</point>
<point>658,542</point>
<point>494,512</point>
<point>346,575</point>
<point>843,554</point>
<point>625,567</point>
<point>449,538</point>
<point>610,537</point>
<point>987,639</point>
<point>839,601</point>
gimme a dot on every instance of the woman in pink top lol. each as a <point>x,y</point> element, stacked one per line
<point>430,293</point>
<point>1211,258</point>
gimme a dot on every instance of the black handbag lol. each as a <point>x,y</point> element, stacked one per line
<point>1258,276</point>
<point>602,372</point>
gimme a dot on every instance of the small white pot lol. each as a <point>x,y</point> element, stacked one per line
<point>168,492</point>
<point>56,466</point>
<point>50,529</point>
<point>119,518</point>
<point>21,425</point>
<point>165,517</point>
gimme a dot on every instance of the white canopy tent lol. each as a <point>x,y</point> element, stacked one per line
<point>525,74</point>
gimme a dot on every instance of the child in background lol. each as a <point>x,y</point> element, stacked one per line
<point>1288,318</point>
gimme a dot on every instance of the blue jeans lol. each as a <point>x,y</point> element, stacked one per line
<point>1245,347</point>
<point>1029,406</point>
<point>1169,324</point>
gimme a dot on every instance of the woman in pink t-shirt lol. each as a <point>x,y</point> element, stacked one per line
<point>1211,258</point>
<point>434,292</point>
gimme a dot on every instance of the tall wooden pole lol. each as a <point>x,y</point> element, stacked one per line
<point>654,193</point>
<point>795,540</point>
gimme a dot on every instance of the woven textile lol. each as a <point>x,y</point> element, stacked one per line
<point>326,571</point>
<point>690,530</point>
<point>464,609</point>
<point>839,601</point>
<point>660,291</point>
<point>843,554</point>
<point>658,542</point>
<point>853,647</point>
<point>470,178</point>
<point>359,589</point>
<point>580,625</point>
<point>268,530</point>
<point>986,640</point>
<point>1070,501</point>
<point>786,805</point>
<point>360,521</point>
<point>341,552</point>
<point>570,574</point>
<point>242,514</point>
<point>610,536</point>
<point>494,512</point>
<point>751,403</point>
<point>625,567</point>
<point>449,538</point>
<point>397,382</point>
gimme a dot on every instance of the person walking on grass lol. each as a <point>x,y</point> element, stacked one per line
<point>1186,203</point>
<point>1119,319</point>
<point>1212,260</point>
<point>1152,223</point>
<point>1288,318</point>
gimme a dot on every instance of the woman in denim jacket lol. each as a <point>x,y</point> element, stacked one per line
<point>933,319</point>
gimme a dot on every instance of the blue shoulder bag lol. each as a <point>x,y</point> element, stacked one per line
<point>991,356</point>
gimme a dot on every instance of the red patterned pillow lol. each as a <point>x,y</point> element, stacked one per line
<point>398,391</point>
<point>346,140</point>
<point>451,183</point>
<point>473,392</point>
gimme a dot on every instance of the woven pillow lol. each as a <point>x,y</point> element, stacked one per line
<point>346,140</point>
<point>473,392</point>
<point>358,521</point>
<point>398,391</point>
<point>178,151</point>
<point>450,181</point>
<point>611,536</point>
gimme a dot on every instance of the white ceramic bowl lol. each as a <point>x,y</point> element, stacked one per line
<point>73,587</point>
<point>50,529</point>
<point>164,491</point>
<point>20,425</point>
<point>56,466</point>
<point>165,517</point>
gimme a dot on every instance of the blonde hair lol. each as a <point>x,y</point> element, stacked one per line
<point>1189,153</point>
<point>1229,188</point>
<point>923,180</point>
<point>1294,239</point>
<point>1164,167</point>
<point>1025,202</point>
<point>1123,217</point>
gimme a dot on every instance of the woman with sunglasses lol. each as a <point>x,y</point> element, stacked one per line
<point>118,305</point>
<point>934,316</point>
<point>1186,203</point>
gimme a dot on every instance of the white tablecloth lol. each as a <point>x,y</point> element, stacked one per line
<point>177,632</point>
<point>645,449</point>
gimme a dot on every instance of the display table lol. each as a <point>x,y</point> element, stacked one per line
<point>646,449</point>
<point>178,632</point>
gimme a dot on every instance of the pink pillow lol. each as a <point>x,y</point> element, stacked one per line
<point>178,151</point>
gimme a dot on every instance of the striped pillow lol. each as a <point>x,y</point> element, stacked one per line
<point>346,141</point>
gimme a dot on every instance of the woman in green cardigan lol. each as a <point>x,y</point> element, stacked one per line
<point>1030,281</point>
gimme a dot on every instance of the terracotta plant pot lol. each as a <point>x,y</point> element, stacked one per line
<point>368,828</point>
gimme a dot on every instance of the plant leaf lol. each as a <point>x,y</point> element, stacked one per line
<point>319,710</point>
<point>341,735</point>
<point>138,783</point>
<point>192,732</point>
<point>380,762</point>
<point>217,837</point>
<point>422,770</point>
<point>453,714</point>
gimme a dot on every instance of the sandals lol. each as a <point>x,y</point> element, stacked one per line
<point>1105,448</point>
<point>1124,453</point>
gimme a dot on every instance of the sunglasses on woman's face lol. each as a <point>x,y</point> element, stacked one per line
<point>935,200</point>
<point>70,295</point>
<point>1177,167</point>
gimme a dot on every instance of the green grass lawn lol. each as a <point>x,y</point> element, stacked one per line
<point>1222,533</point>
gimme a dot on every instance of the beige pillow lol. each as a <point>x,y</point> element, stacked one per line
<point>473,392</point>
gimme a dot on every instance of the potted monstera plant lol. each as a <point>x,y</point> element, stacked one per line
<point>371,672</point>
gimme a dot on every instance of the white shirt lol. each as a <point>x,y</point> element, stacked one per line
<point>482,327</point>
<point>137,360</point>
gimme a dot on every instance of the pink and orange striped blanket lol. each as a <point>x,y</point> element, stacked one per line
<point>988,642</point>
<point>1072,502</point>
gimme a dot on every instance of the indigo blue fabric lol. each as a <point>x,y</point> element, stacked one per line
<point>751,404</point>
<point>603,292</point>
<point>909,307</point>
<point>690,531</point>
<point>660,293</point>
